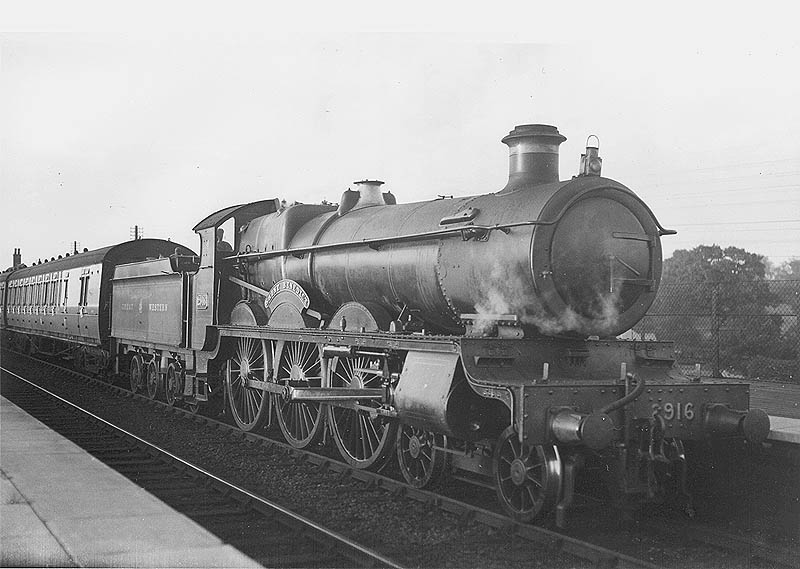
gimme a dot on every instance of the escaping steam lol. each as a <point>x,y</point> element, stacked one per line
<point>508,291</point>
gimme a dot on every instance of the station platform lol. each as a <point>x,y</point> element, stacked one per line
<point>784,430</point>
<point>61,507</point>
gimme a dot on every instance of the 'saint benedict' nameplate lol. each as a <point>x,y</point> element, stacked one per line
<point>290,286</point>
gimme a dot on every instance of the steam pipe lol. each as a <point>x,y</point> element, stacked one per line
<point>623,401</point>
<point>595,430</point>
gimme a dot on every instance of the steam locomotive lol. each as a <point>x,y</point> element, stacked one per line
<point>471,337</point>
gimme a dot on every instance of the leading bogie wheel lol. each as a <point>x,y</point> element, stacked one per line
<point>245,374</point>
<point>420,455</point>
<point>365,439</point>
<point>153,380</point>
<point>137,373</point>
<point>527,477</point>
<point>300,421</point>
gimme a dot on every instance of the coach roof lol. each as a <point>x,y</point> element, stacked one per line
<point>126,252</point>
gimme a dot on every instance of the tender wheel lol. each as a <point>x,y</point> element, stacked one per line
<point>245,374</point>
<point>173,384</point>
<point>80,361</point>
<point>299,365</point>
<point>153,380</point>
<point>137,373</point>
<point>527,478</point>
<point>420,462</point>
<point>364,441</point>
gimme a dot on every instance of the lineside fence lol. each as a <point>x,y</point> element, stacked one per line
<point>729,329</point>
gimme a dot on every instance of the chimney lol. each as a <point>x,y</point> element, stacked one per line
<point>17,258</point>
<point>533,156</point>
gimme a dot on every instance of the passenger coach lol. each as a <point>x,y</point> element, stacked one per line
<point>62,307</point>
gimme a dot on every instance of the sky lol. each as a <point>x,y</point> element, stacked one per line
<point>104,127</point>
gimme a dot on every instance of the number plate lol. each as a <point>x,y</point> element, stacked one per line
<point>678,411</point>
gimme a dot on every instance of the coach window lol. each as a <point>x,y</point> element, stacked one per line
<point>66,290</point>
<point>84,290</point>
<point>51,299</point>
<point>57,290</point>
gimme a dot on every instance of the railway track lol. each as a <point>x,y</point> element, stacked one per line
<point>552,540</point>
<point>263,530</point>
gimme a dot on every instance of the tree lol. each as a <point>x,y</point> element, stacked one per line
<point>720,307</point>
<point>786,271</point>
<point>712,263</point>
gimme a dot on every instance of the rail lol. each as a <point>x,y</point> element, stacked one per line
<point>357,553</point>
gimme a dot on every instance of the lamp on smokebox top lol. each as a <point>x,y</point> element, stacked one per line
<point>591,163</point>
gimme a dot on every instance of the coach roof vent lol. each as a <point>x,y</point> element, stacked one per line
<point>533,156</point>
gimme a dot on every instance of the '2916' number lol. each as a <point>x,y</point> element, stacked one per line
<point>675,411</point>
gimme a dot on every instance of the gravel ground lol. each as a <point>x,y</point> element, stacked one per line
<point>422,536</point>
<point>415,534</point>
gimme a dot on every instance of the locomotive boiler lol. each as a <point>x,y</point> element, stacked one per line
<point>581,256</point>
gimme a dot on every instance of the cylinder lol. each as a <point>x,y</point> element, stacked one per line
<point>595,430</point>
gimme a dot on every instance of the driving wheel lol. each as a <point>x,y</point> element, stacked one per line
<point>245,375</point>
<point>300,421</point>
<point>365,439</point>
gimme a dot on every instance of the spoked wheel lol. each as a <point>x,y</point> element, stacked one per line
<point>364,441</point>
<point>137,373</point>
<point>300,422</point>
<point>245,374</point>
<point>527,478</point>
<point>421,462</point>
<point>153,380</point>
<point>173,384</point>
